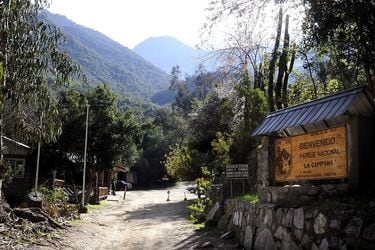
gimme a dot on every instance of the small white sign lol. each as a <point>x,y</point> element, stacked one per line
<point>237,171</point>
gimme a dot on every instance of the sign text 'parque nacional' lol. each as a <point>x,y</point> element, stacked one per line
<point>312,156</point>
<point>237,171</point>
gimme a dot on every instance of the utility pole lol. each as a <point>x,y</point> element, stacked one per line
<point>84,157</point>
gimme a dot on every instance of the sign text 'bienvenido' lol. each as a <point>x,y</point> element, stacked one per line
<point>312,156</point>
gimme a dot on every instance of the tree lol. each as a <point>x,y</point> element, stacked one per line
<point>246,49</point>
<point>349,27</point>
<point>182,103</point>
<point>178,163</point>
<point>203,82</point>
<point>29,54</point>
<point>220,149</point>
<point>212,115</point>
<point>113,133</point>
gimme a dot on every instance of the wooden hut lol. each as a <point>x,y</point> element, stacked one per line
<point>15,154</point>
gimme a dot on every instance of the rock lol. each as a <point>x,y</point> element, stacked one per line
<point>239,219</point>
<point>334,224</point>
<point>264,240</point>
<point>263,195</point>
<point>342,187</point>
<point>298,233</point>
<point>369,233</point>
<point>313,191</point>
<point>260,217</point>
<point>320,224</point>
<point>315,213</point>
<point>328,188</point>
<point>308,226</point>
<point>235,218</point>
<point>279,216</point>
<point>214,215</point>
<point>299,218</point>
<point>306,241</point>
<point>287,242</point>
<point>324,245</point>
<point>280,233</point>
<point>314,247</point>
<point>354,227</point>
<point>288,218</point>
<point>309,214</point>
<point>335,242</point>
<point>223,222</point>
<point>248,240</point>
<point>285,238</point>
<point>293,246</point>
<point>268,218</point>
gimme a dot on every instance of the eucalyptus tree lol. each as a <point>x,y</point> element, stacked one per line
<point>183,101</point>
<point>31,63</point>
<point>248,42</point>
<point>345,29</point>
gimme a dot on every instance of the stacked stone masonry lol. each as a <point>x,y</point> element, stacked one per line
<point>268,226</point>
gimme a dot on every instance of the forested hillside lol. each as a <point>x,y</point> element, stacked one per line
<point>103,60</point>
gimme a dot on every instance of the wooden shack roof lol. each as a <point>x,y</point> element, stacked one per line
<point>12,147</point>
<point>357,101</point>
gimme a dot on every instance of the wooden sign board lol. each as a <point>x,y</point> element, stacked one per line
<point>312,156</point>
<point>237,171</point>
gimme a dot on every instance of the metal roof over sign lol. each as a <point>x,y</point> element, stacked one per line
<point>322,113</point>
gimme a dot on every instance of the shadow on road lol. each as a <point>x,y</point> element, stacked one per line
<point>175,213</point>
<point>160,212</point>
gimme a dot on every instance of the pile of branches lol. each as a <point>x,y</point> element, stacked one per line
<point>21,227</point>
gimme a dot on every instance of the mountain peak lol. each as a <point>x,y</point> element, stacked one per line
<point>166,52</point>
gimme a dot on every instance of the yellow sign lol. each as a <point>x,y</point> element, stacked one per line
<point>312,156</point>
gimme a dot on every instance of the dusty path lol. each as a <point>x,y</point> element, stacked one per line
<point>145,220</point>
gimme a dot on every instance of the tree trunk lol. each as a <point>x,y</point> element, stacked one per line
<point>246,85</point>
<point>286,77</point>
<point>282,66</point>
<point>311,75</point>
<point>273,62</point>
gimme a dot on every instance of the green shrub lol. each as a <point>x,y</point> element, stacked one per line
<point>52,195</point>
<point>197,211</point>
<point>252,198</point>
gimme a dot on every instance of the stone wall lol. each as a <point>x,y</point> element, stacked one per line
<point>267,226</point>
<point>288,195</point>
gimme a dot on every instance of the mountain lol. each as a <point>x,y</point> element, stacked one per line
<point>103,60</point>
<point>166,52</point>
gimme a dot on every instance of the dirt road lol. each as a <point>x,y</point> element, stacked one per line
<point>144,220</point>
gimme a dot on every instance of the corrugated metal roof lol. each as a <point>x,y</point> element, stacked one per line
<point>357,101</point>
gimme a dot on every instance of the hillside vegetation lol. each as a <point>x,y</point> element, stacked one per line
<point>103,60</point>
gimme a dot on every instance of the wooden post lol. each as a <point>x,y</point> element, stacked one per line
<point>231,188</point>
<point>126,188</point>
<point>353,154</point>
<point>243,186</point>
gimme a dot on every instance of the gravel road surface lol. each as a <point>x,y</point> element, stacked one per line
<point>144,220</point>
